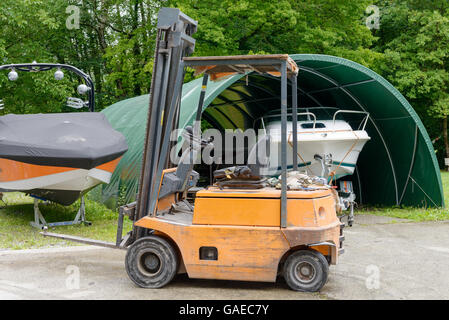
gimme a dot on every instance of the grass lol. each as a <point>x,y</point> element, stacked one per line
<point>414,214</point>
<point>16,232</point>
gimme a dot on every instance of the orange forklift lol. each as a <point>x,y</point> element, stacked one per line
<point>242,230</point>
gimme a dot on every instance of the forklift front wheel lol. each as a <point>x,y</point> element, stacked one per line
<point>306,270</point>
<point>151,262</point>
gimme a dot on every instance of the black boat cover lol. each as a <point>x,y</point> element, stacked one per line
<point>82,140</point>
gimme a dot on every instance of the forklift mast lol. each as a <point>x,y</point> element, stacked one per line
<point>174,42</point>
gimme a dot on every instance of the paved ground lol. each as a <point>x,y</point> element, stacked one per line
<point>384,259</point>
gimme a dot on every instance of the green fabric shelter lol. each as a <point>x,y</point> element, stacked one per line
<point>397,167</point>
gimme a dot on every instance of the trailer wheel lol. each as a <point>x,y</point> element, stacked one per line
<point>151,262</point>
<point>306,270</point>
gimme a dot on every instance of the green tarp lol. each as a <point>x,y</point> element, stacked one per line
<point>397,167</point>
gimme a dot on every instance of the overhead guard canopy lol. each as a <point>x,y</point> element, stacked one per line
<point>220,67</point>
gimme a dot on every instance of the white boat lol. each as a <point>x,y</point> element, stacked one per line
<point>328,147</point>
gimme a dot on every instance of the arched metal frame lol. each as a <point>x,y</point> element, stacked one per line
<point>40,67</point>
<point>361,106</point>
<point>235,104</point>
<point>251,84</point>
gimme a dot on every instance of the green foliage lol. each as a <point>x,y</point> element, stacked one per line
<point>16,232</point>
<point>238,27</point>
<point>36,93</point>
<point>114,44</point>
<point>417,58</point>
<point>115,41</point>
<point>414,37</point>
<point>282,26</point>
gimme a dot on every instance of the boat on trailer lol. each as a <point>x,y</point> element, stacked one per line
<point>60,156</point>
<point>57,157</point>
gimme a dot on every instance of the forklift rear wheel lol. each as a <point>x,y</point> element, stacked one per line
<point>306,270</point>
<point>151,262</point>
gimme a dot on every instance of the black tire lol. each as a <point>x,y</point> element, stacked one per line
<point>306,270</point>
<point>151,262</point>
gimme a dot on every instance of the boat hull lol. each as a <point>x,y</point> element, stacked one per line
<point>343,147</point>
<point>62,185</point>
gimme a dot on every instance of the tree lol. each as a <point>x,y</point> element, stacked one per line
<point>282,26</point>
<point>114,44</point>
<point>22,21</point>
<point>115,41</point>
<point>417,57</point>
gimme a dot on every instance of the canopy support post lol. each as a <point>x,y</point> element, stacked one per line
<point>284,145</point>
<point>295,121</point>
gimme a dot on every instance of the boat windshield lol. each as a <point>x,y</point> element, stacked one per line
<point>311,125</point>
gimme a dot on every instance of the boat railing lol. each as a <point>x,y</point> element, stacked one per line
<point>361,126</point>
<point>262,119</point>
<point>362,123</point>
